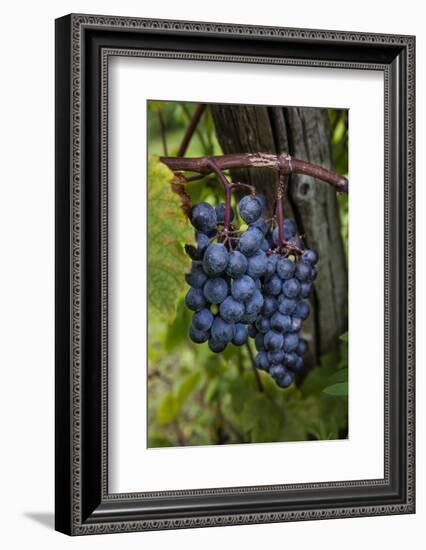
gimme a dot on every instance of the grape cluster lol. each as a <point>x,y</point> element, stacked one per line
<point>276,331</point>
<point>246,286</point>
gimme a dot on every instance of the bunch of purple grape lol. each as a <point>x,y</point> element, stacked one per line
<point>276,331</point>
<point>247,286</point>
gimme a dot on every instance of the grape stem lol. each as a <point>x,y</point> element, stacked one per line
<point>227,186</point>
<point>253,364</point>
<point>283,162</point>
<point>291,247</point>
<point>282,180</point>
<point>236,184</point>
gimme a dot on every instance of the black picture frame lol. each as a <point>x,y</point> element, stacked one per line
<point>83,504</point>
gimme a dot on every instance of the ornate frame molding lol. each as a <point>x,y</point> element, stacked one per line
<point>73,504</point>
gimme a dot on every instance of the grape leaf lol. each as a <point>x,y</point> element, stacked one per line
<point>187,386</point>
<point>298,412</point>
<point>177,330</point>
<point>159,441</point>
<point>259,417</point>
<point>212,390</point>
<point>168,409</point>
<point>240,392</point>
<point>168,229</point>
<point>156,105</point>
<point>340,376</point>
<point>316,380</point>
<point>337,389</point>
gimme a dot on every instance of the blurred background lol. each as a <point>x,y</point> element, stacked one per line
<point>196,397</point>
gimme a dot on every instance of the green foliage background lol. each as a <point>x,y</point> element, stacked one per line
<point>196,397</point>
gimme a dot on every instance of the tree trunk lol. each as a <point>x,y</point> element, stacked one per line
<point>304,133</point>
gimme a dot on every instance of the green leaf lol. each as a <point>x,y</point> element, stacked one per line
<point>199,190</point>
<point>260,418</point>
<point>340,376</point>
<point>344,337</point>
<point>187,386</point>
<point>159,441</point>
<point>212,390</point>
<point>249,413</point>
<point>337,389</point>
<point>168,228</point>
<point>333,411</point>
<point>168,409</point>
<point>177,331</point>
<point>317,380</point>
<point>156,105</point>
<point>334,429</point>
<point>329,360</point>
<point>298,414</point>
<point>319,430</point>
<point>240,391</point>
<point>325,429</point>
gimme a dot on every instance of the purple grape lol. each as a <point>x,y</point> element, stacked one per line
<point>254,304</point>
<point>302,310</point>
<point>194,299</point>
<point>216,290</point>
<point>273,340</point>
<point>220,213</point>
<point>203,217</point>
<point>216,346</point>
<point>303,271</point>
<point>302,346</point>
<point>305,289</point>
<point>237,264</point>
<point>196,277</point>
<point>202,320</point>
<point>261,361</point>
<point>285,268</point>
<point>222,331</point>
<point>310,256</point>
<point>291,288</point>
<point>250,208</point>
<point>270,306</point>
<point>251,241</point>
<point>274,285</point>
<point>280,322</point>
<point>198,336</point>
<point>263,324</point>
<point>257,264</point>
<point>243,288</point>
<point>215,259</point>
<point>240,335</point>
<point>286,306</point>
<point>231,311</point>
<point>290,342</point>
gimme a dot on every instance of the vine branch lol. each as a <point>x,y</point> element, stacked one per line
<point>283,162</point>
<point>163,132</point>
<point>189,132</point>
<point>197,131</point>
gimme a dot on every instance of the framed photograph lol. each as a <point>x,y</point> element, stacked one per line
<point>234,274</point>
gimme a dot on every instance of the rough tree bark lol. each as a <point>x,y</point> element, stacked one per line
<point>304,133</point>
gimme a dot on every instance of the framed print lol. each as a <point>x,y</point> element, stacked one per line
<point>234,274</point>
